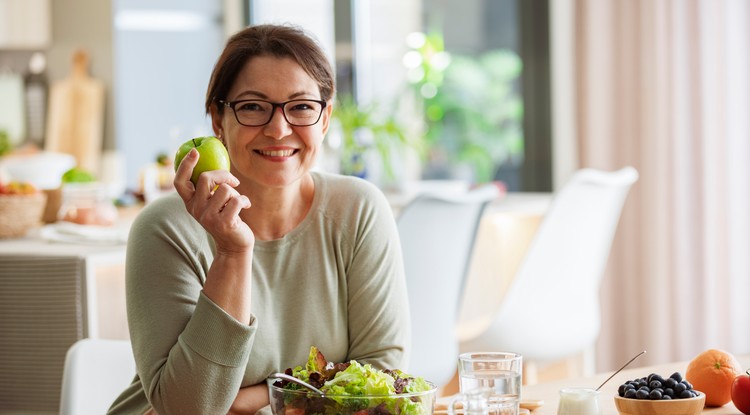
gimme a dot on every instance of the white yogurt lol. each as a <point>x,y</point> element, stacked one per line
<point>579,401</point>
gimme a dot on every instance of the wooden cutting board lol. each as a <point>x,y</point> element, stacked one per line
<point>75,124</point>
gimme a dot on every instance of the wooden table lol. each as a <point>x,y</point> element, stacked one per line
<point>549,391</point>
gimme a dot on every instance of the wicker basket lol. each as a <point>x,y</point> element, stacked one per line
<point>20,213</point>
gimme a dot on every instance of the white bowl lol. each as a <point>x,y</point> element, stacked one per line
<point>44,170</point>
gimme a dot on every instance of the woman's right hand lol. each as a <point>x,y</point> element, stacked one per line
<point>215,204</point>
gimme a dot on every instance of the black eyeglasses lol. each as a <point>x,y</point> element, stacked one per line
<point>258,112</point>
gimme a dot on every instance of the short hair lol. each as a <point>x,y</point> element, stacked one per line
<point>283,41</point>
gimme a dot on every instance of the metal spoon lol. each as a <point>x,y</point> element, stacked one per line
<point>297,381</point>
<point>618,370</point>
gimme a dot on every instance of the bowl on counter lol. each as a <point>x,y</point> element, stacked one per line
<point>688,406</point>
<point>303,402</point>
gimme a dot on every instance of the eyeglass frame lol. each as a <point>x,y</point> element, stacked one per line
<point>274,105</point>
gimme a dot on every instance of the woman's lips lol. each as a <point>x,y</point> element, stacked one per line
<point>277,154</point>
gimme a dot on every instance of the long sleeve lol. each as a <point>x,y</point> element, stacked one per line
<point>191,355</point>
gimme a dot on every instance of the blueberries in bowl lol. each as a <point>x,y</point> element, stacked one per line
<point>655,387</point>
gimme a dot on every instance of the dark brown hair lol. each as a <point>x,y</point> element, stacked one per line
<point>281,41</point>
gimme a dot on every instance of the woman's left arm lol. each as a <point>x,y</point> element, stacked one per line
<point>378,305</point>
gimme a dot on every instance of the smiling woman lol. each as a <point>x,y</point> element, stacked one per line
<point>258,263</point>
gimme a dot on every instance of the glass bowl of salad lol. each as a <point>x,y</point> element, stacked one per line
<point>350,388</point>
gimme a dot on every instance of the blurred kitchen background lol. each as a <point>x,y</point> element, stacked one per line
<point>393,60</point>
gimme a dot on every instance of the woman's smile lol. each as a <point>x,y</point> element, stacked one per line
<point>277,153</point>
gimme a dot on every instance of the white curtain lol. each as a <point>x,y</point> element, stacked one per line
<point>662,85</point>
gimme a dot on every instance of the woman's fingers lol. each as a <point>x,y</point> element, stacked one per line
<point>213,201</point>
<point>182,182</point>
<point>209,181</point>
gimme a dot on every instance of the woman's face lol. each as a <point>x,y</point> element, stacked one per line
<point>276,154</point>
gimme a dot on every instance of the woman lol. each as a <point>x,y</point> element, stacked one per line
<point>236,277</point>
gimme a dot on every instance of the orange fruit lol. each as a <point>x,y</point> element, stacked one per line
<point>712,372</point>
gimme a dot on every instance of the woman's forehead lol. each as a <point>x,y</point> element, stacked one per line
<point>270,75</point>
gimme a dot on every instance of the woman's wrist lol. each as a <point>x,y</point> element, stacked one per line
<point>250,400</point>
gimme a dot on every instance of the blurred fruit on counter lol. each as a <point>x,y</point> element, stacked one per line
<point>85,201</point>
<point>741,392</point>
<point>17,188</point>
<point>78,175</point>
<point>712,372</point>
<point>21,207</point>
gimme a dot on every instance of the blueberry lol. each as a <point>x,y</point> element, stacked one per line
<point>664,397</point>
<point>654,384</point>
<point>676,376</point>
<point>686,394</point>
<point>630,393</point>
<point>669,383</point>
<point>654,376</point>
<point>669,392</point>
<point>687,384</point>
<point>655,395</point>
<point>679,388</point>
<point>642,394</point>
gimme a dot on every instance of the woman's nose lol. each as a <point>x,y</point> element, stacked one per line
<point>278,127</point>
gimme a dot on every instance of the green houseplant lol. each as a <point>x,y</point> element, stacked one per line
<point>365,129</point>
<point>472,110</point>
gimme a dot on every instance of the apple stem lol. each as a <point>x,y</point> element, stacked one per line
<point>194,143</point>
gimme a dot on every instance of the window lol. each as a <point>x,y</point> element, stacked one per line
<point>480,36</point>
<point>370,44</point>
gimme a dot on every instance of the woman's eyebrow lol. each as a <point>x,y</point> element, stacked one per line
<point>251,94</point>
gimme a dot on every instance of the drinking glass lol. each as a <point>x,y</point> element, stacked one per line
<point>500,372</point>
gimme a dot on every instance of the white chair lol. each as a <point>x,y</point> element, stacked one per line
<point>551,311</point>
<point>96,372</point>
<point>437,234</point>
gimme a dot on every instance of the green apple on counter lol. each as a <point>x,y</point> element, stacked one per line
<point>213,155</point>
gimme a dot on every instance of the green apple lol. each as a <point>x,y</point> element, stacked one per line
<point>213,155</point>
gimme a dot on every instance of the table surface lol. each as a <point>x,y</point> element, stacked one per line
<point>549,391</point>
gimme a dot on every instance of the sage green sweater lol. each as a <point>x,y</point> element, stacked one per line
<point>336,282</point>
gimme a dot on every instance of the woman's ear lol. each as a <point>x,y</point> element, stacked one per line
<point>217,118</point>
<point>327,116</point>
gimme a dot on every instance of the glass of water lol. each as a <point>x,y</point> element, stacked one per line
<point>500,372</point>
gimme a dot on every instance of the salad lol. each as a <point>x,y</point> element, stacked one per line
<point>351,388</point>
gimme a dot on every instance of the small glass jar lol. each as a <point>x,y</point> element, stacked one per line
<point>579,401</point>
<point>87,204</point>
<point>473,402</point>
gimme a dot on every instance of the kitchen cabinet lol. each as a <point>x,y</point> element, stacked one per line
<point>25,24</point>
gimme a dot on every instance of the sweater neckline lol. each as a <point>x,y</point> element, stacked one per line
<point>319,192</point>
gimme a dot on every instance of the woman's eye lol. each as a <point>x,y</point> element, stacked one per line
<point>301,106</point>
<point>249,106</point>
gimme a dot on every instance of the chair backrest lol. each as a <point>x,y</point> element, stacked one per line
<point>96,372</point>
<point>437,234</point>
<point>551,309</point>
